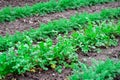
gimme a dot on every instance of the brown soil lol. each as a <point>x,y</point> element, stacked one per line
<point>13,3</point>
<point>44,75</point>
<point>27,23</point>
<point>112,53</point>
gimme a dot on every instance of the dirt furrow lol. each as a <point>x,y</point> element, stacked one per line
<point>13,3</point>
<point>27,23</point>
<point>44,75</point>
<point>111,52</point>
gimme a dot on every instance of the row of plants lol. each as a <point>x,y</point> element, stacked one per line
<point>93,37</point>
<point>42,8</point>
<point>100,70</point>
<point>44,54</point>
<point>51,29</point>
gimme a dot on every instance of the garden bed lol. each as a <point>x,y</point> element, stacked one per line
<point>53,48</point>
<point>35,21</point>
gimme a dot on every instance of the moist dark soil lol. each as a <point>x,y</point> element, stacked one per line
<point>117,77</point>
<point>44,75</point>
<point>33,22</point>
<point>13,3</point>
<point>111,52</point>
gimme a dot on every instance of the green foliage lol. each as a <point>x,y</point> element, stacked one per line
<point>102,70</point>
<point>57,26</point>
<point>25,56</point>
<point>10,14</point>
<point>96,36</point>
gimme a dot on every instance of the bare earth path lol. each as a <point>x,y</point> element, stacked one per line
<point>27,23</point>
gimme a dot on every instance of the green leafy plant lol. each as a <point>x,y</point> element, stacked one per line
<point>95,36</point>
<point>26,56</point>
<point>102,70</point>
